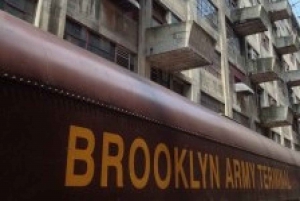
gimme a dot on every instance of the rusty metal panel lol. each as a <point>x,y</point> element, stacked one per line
<point>156,162</point>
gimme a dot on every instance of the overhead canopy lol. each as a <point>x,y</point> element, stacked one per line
<point>127,5</point>
<point>135,3</point>
<point>241,87</point>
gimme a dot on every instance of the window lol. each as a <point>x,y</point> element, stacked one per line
<point>159,15</point>
<point>276,137</point>
<point>170,81</point>
<point>287,143</point>
<point>295,125</point>
<point>23,9</point>
<point>207,10</point>
<point>252,53</point>
<point>259,129</point>
<point>272,101</point>
<point>234,47</point>
<point>283,91</point>
<point>180,86</point>
<point>292,58</point>
<point>231,4</point>
<point>285,66</point>
<point>265,42</point>
<point>174,19</point>
<point>297,147</point>
<point>211,103</point>
<point>259,97</point>
<point>161,77</point>
<point>242,119</point>
<point>124,58</point>
<point>83,37</point>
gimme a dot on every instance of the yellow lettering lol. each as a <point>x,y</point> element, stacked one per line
<point>179,168</point>
<point>203,167</point>
<point>137,182</point>
<point>214,171</point>
<point>237,173</point>
<point>260,168</point>
<point>229,176</point>
<point>84,155</point>
<point>162,183</point>
<point>252,171</point>
<point>193,183</point>
<point>245,175</point>
<point>112,161</point>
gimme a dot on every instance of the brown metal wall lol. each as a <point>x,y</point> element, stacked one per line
<point>34,149</point>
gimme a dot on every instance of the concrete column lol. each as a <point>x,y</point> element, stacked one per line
<point>58,17</point>
<point>225,72</point>
<point>145,17</point>
<point>38,13</point>
<point>61,17</point>
<point>45,15</point>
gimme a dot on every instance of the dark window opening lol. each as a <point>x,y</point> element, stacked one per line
<point>170,81</point>
<point>161,77</point>
<point>180,86</point>
<point>23,9</point>
<point>212,103</point>
<point>208,11</point>
<point>265,42</point>
<point>128,8</point>
<point>231,4</point>
<point>252,53</point>
<point>159,13</point>
<point>242,119</point>
<point>297,147</point>
<point>295,125</point>
<point>276,137</point>
<point>261,130</point>
<point>287,143</point>
<point>93,42</point>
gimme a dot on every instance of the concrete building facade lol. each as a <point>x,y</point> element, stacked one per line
<point>238,58</point>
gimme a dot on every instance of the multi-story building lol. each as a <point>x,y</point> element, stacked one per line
<point>238,58</point>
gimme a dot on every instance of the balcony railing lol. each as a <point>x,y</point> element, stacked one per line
<point>264,70</point>
<point>180,46</point>
<point>250,20</point>
<point>276,116</point>
<point>287,44</point>
<point>278,9</point>
<point>293,78</point>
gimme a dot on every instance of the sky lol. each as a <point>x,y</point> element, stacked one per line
<point>296,7</point>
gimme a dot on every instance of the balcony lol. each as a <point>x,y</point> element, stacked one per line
<point>180,46</point>
<point>279,10</point>
<point>276,116</point>
<point>287,44</point>
<point>250,20</point>
<point>296,109</point>
<point>264,70</point>
<point>293,78</point>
